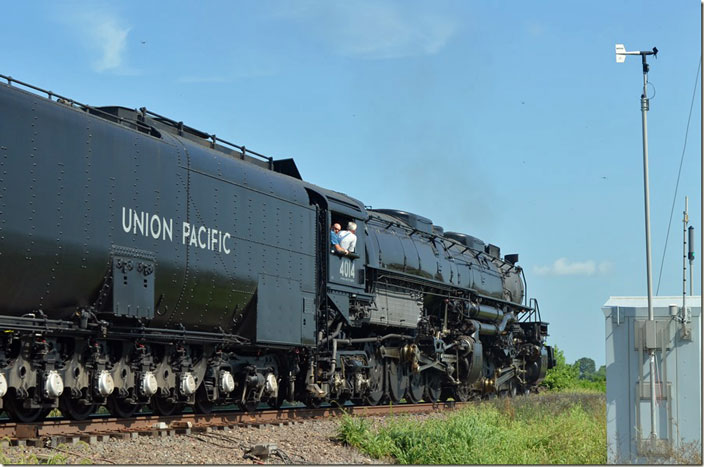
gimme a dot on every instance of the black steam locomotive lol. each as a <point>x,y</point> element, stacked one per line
<point>146,263</point>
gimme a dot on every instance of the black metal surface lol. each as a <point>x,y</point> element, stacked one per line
<point>212,223</point>
<point>400,248</point>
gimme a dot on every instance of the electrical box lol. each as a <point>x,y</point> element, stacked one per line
<point>673,337</point>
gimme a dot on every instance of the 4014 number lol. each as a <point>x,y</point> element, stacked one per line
<point>346,269</point>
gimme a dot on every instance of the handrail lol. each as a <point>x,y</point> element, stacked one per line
<point>71,102</point>
<point>535,310</point>
<point>213,138</point>
<point>142,111</point>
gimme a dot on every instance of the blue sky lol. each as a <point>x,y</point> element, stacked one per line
<point>510,121</point>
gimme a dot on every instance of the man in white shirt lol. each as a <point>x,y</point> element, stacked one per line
<point>348,239</point>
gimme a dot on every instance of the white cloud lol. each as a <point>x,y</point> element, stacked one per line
<point>565,267</point>
<point>374,30</point>
<point>103,33</point>
<point>111,39</point>
<point>604,267</point>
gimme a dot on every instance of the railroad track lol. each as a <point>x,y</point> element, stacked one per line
<point>57,431</point>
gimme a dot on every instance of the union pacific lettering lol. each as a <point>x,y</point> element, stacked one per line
<point>152,225</point>
<point>215,240</point>
<point>147,225</point>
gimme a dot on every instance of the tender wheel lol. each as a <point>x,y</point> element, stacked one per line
<point>376,378</point>
<point>312,402</point>
<point>19,413</point>
<point>249,406</point>
<point>75,409</point>
<point>433,386</point>
<point>164,407</point>
<point>416,388</point>
<point>202,404</point>
<point>120,408</point>
<point>276,402</point>
<point>340,400</point>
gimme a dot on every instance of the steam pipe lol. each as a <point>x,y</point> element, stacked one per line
<point>485,312</point>
<point>364,340</point>
<point>493,329</point>
<point>333,335</point>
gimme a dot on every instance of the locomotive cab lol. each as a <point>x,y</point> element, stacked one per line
<point>345,273</point>
<point>348,269</point>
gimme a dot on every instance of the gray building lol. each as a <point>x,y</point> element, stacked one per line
<point>676,338</point>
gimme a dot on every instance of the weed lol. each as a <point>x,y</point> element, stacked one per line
<point>543,429</point>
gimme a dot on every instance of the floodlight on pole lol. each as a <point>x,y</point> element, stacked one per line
<point>621,54</point>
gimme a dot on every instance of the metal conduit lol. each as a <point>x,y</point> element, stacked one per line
<point>493,329</point>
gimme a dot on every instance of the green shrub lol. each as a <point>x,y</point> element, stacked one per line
<point>562,375</point>
<point>595,385</point>
<point>549,428</point>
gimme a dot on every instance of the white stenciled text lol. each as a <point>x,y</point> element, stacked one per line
<point>205,238</point>
<point>152,225</point>
<point>146,224</point>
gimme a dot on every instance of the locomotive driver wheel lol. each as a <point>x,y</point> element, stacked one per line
<point>433,386</point>
<point>416,387</point>
<point>512,388</point>
<point>376,377</point>
<point>397,380</point>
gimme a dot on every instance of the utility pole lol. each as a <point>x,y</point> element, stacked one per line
<point>621,54</point>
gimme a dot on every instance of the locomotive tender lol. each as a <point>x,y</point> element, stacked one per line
<point>146,263</point>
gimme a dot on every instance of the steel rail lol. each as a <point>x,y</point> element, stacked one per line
<point>150,424</point>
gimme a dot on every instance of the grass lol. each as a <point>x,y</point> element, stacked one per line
<point>562,428</point>
<point>60,455</point>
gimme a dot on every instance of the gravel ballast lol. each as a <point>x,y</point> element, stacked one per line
<point>310,442</point>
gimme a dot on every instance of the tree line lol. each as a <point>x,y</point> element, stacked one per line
<point>581,374</point>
